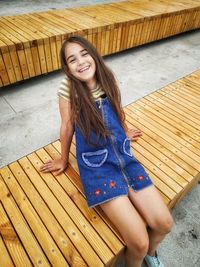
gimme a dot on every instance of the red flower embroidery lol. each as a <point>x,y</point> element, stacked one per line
<point>141,178</point>
<point>112,184</point>
<point>97,192</point>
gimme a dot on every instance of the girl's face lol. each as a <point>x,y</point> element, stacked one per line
<point>81,65</point>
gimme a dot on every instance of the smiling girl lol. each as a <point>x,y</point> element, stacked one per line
<point>90,106</point>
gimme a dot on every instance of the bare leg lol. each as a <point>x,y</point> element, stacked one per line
<point>131,226</point>
<point>152,208</point>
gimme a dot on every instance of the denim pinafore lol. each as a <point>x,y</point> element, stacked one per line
<point>108,170</point>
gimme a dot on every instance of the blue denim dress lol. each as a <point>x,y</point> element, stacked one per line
<point>108,170</point>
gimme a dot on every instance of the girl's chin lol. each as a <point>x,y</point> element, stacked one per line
<point>86,79</point>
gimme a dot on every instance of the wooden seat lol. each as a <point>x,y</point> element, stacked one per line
<point>44,219</point>
<point>30,43</point>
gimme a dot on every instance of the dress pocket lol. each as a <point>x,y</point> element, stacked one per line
<point>95,159</point>
<point>127,147</point>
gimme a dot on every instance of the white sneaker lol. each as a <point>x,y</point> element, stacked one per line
<point>153,261</point>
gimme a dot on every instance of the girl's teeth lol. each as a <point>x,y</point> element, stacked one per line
<point>84,69</point>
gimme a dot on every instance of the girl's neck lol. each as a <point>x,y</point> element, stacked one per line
<point>92,84</point>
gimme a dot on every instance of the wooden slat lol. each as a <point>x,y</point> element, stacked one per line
<point>3,72</point>
<point>62,240</point>
<point>178,131</point>
<point>30,43</point>
<point>79,200</point>
<point>23,45</point>
<point>73,175</point>
<point>26,236</point>
<point>71,229</point>
<point>12,251</point>
<point>46,242</point>
<point>6,261</point>
<point>184,152</point>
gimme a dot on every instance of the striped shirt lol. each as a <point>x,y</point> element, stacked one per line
<point>63,90</point>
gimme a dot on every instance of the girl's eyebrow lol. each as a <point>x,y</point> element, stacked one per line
<point>83,50</point>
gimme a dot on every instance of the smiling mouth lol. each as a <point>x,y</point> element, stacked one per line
<point>84,69</point>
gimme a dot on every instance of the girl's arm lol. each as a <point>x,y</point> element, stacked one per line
<point>66,133</point>
<point>132,134</point>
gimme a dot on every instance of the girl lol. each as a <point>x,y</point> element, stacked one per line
<point>90,105</point>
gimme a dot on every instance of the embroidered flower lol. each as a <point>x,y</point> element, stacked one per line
<point>141,177</point>
<point>112,184</point>
<point>97,192</point>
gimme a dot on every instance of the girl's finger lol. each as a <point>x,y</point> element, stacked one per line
<point>134,139</point>
<point>58,172</point>
<point>47,162</point>
<point>136,131</point>
<point>135,135</point>
<point>45,167</point>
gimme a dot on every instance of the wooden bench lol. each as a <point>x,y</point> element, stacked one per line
<point>30,43</point>
<point>44,220</point>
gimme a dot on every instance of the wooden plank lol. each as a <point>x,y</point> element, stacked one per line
<point>33,34</point>
<point>21,44</point>
<point>79,200</point>
<point>168,151</point>
<point>186,96</point>
<point>45,240</point>
<point>3,72</point>
<point>173,117</point>
<point>6,261</point>
<point>181,104</point>
<point>12,29</point>
<point>1,83</point>
<point>5,44</point>
<point>191,87</point>
<point>26,236</point>
<point>59,212</point>
<point>12,252</point>
<point>9,66</point>
<point>47,49</point>
<point>164,140</point>
<point>34,38</point>
<point>53,226</point>
<point>93,238</point>
<point>179,139</point>
<point>188,135</point>
<point>111,28</point>
<point>103,20</point>
<point>178,108</point>
<point>15,63</point>
<point>74,176</point>
<point>49,30</point>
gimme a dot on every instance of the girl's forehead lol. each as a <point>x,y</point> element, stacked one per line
<point>73,48</point>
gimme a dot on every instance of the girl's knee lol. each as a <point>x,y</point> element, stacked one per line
<point>164,225</point>
<point>138,246</point>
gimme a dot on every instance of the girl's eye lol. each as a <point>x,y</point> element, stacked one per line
<point>85,54</point>
<point>72,60</point>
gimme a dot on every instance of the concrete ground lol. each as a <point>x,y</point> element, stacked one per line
<point>29,117</point>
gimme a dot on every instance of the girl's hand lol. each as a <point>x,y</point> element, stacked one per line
<point>133,134</point>
<point>57,166</point>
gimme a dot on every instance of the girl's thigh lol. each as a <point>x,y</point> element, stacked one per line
<point>151,207</point>
<point>127,220</point>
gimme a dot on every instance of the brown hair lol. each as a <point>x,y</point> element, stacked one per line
<point>85,113</point>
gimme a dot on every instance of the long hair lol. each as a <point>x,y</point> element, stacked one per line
<point>84,111</point>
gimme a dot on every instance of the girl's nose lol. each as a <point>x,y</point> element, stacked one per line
<point>80,60</point>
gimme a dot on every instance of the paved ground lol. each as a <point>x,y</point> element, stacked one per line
<point>29,116</point>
